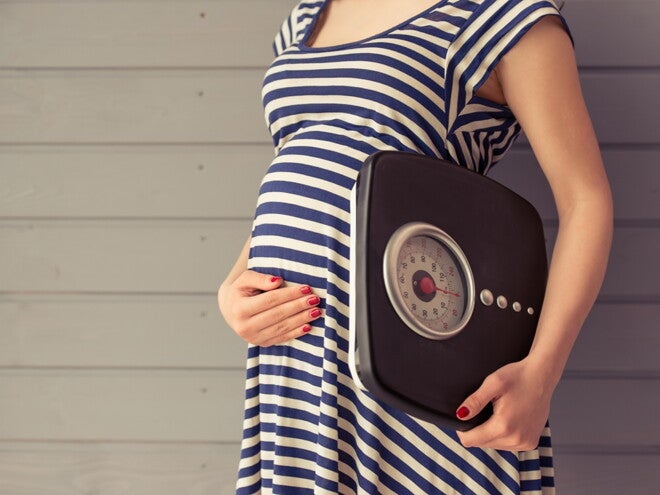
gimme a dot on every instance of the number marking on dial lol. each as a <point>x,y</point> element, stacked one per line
<point>428,280</point>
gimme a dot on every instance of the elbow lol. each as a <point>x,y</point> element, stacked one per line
<point>593,212</point>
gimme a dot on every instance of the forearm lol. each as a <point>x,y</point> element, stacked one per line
<point>576,273</point>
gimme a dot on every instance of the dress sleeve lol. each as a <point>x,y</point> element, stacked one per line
<point>295,26</point>
<point>285,36</point>
<point>487,35</point>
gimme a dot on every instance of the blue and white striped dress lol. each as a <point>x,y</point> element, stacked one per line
<point>308,429</point>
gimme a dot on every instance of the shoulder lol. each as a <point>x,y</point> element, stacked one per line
<point>511,10</point>
<point>481,4</point>
<point>296,23</point>
<point>495,26</point>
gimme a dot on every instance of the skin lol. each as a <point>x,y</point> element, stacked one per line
<point>538,79</point>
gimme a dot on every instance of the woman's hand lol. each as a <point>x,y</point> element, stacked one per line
<point>521,404</point>
<point>263,313</point>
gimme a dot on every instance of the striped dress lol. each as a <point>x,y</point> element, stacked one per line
<point>308,429</point>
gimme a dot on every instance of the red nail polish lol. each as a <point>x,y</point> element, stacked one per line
<point>313,301</point>
<point>462,412</point>
<point>315,312</point>
<point>275,279</point>
<point>307,329</point>
<point>306,289</point>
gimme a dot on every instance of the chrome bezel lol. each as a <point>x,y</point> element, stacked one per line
<point>390,259</point>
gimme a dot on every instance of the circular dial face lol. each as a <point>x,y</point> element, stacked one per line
<point>429,281</point>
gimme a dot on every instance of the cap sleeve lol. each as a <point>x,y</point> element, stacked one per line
<point>294,26</point>
<point>487,35</point>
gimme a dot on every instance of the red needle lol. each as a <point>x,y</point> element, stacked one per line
<point>427,286</point>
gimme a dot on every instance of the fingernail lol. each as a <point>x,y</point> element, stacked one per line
<point>313,301</point>
<point>306,289</point>
<point>306,328</point>
<point>315,312</point>
<point>462,412</point>
<point>275,279</point>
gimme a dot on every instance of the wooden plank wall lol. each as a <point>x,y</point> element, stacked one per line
<point>131,147</point>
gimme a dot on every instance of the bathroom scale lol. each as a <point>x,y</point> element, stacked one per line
<point>448,271</point>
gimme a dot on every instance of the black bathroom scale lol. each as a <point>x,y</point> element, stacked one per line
<point>448,274</point>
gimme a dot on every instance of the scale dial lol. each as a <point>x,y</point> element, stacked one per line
<point>428,280</point>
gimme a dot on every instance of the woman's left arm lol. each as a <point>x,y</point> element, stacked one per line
<point>540,81</point>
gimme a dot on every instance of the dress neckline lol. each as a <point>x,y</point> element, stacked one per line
<point>302,45</point>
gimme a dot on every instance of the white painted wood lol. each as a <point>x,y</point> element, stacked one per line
<point>188,332</point>
<point>119,256</point>
<point>206,406</point>
<point>134,181</point>
<point>603,414</point>
<point>173,469</point>
<point>77,468</point>
<point>144,118</point>
<point>623,106</point>
<point>633,270</point>
<point>195,256</point>
<point>170,331</point>
<point>238,33</point>
<point>618,338</point>
<point>614,33</point>
<point>182,34</point>
<point>633,174</point>
<point>122,405</point>
<point>222,181</point>
<point>223,106</point>
<point>614,474</point>
<point>131,106</point>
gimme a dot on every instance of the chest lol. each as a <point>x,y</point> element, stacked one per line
<point>346,21</point>
<point>372,85</point>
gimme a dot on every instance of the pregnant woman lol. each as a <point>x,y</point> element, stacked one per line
<point>453,79</point>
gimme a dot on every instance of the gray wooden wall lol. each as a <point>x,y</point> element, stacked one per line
<point>131,147</point>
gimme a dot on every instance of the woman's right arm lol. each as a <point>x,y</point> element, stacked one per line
<point>260,310</point>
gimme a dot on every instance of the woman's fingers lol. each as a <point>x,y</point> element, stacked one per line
<point>251,283</point>
<point>521,405</point>
<point>262,312</point>
<point>287,316</point>
<point>491,388</point>
<point>278,300</point>
<point>301,307</point>
<point>290,328</point>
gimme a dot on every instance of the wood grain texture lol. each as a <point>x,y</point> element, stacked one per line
<point>132,181</point>
<point>182,34</point>
<point>618,339</point>
<point>77,468</point>
<point>119,256</point>
<point>122,405</point>
<point>124,106</point>
<point>173,469</point>
<point>124,331</point>
<point>605,413</point>
<point>222,181</point>
<point>618,34</point>
<point>132,142</point>
<point>238,33</point>
<point>603,474</point>
<point>223,106</point>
